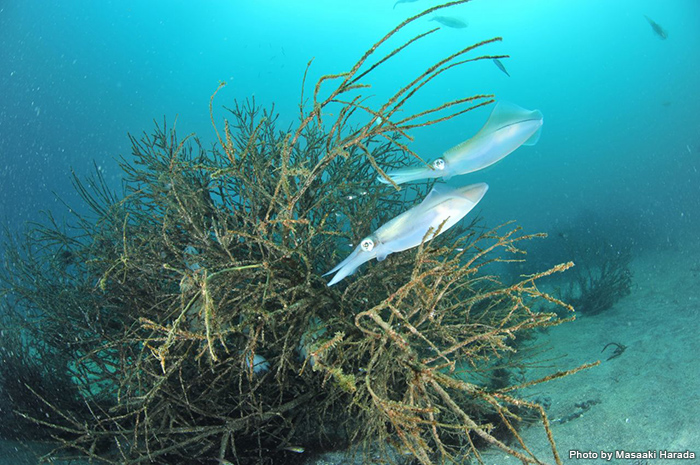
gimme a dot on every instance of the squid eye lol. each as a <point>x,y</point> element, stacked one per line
<point>439,164</point>
<point>367,244</point>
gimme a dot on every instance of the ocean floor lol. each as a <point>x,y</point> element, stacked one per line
<point>646,399</point>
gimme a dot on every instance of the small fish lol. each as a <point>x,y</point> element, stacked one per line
<point>441,208</point>
<point>658,30</point>
<point>450,22</point>
<point>404,1</point>
<point>500,66</point>
<point>295,449</point>
<point>508,127</point>
<point>619,349</point>
<point>688,147</point>
<point>317,328</point>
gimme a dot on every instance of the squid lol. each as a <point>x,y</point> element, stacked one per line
<point>441,209</point>
<point>508,127</point>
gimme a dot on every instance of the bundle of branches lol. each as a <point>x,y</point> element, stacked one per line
<point>192,316</point>
<point>28,374</point>
<point>602,275</point>
<point>602,244</point>
<point>600,280</point>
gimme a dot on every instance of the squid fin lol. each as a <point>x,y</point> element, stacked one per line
<point>506,113</point>
<point>534,138</point>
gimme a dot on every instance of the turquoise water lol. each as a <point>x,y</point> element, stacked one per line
<point>621,133</point>
<point>620,104</point>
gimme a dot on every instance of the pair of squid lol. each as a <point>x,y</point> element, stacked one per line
<point>508,127</point>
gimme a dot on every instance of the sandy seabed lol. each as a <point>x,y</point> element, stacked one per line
<point>646,399</point>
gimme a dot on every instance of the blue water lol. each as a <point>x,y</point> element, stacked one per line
<point>621,127</point>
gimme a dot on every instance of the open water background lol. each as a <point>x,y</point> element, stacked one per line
<point>621,129</point>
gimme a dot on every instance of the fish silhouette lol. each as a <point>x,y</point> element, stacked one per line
<point>449,22</point>
<point>404,1</point>
<point>658,30</point>
<point>500,66</point>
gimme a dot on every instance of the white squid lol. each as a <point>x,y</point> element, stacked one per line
<point>441,209</point>
<point>508,127</point>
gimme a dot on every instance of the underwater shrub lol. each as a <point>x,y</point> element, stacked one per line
<point>192,316</point>
<point>34,383</point>
<point>600,281</point>
<point>601,245</point>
